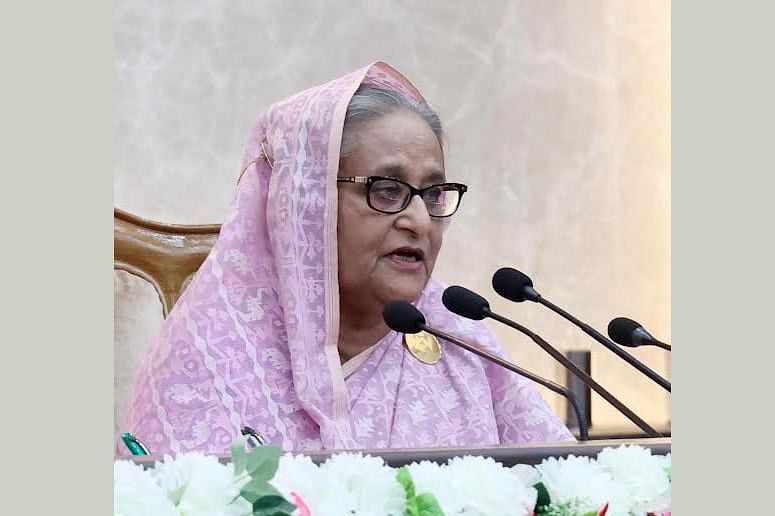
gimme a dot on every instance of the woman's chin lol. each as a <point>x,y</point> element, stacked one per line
<point>398,292</point>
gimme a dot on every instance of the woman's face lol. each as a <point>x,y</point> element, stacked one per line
<point>388,257</point>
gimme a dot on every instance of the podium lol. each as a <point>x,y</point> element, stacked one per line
<point>508,455</point>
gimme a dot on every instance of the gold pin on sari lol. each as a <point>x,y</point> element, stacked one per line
<point>424,347</point>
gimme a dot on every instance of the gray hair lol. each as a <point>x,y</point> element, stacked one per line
<point>372,102</point>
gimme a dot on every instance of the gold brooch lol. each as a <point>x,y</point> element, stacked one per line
<point>424,347</point>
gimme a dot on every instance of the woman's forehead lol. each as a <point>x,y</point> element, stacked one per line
<point>400,145</point>
<point>398,127</point>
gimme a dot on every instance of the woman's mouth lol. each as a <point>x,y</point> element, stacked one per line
<point>410,259</point>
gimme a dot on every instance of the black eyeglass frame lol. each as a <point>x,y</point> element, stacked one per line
<point>370,180</point>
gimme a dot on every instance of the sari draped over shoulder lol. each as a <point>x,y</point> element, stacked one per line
<point>253,339</point>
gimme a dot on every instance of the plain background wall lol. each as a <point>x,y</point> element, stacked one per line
<point>557,116</point>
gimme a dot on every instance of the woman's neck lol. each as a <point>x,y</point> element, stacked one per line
<point>359,331</point>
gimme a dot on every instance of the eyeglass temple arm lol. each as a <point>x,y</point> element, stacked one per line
<point>352,179</point>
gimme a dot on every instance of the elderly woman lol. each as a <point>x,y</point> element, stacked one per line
<point>341,207</point>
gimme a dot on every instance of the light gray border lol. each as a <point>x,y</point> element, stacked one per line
<point>57,389</point>
<point>722,256</point>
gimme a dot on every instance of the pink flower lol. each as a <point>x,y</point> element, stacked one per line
<point>299,503</point>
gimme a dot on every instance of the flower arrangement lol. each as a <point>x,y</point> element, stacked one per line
<point>626,481</point>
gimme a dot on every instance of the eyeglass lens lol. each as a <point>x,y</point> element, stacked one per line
<point>392,196</point>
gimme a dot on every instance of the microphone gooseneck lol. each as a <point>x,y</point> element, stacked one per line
<point>516,286</point>
<point>464,302</point>
<point>400,316</point>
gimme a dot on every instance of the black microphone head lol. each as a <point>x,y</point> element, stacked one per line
<point>513,285</point>
<point>403,317</point>
<point>466,303</point>
<point>621,331</point>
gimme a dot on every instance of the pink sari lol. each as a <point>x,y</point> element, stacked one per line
<point>253,339</point>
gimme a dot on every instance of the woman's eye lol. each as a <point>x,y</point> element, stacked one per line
<point>392,192</point>
<point>434,195</point>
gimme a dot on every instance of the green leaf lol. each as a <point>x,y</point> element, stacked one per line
<point>405,479</point>
<point>590,513</point>
<point>273,505</point>
<point>424,504</point>
<point>262,462</point>
<point>427,505</point>
<point>238,455</point>
<point>255,489</point>
<point>543,496</point>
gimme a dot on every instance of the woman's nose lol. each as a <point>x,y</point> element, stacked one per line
<point>415,216</point>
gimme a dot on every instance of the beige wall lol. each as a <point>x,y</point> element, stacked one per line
<point>557,113</point>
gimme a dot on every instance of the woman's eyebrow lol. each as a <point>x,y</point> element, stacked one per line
<point>436,177</point>
<point>398,171</point>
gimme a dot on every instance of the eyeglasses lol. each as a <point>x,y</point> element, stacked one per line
<point>390,195</point>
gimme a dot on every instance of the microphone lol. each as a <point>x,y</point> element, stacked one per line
<point>627,332</point>
<point>469,304</point>
<point>516,286</point>
<point>403,317</point>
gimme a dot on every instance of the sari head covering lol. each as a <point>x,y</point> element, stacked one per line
<point>253,339</point>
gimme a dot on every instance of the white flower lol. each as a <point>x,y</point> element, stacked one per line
<point>666,461</point>
<point>578,481</point>
<point>136,493</point>
<point>372,484</point>
<point>490,488</point>
<point>429,477</point>
<point>323,494</point>
<point>474,486</point>
<point>528,475</point>
<point>665,501</point>
<point>198,484</point>
<point>640,474</point>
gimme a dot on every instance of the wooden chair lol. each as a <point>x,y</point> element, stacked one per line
<point>165,255</point>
